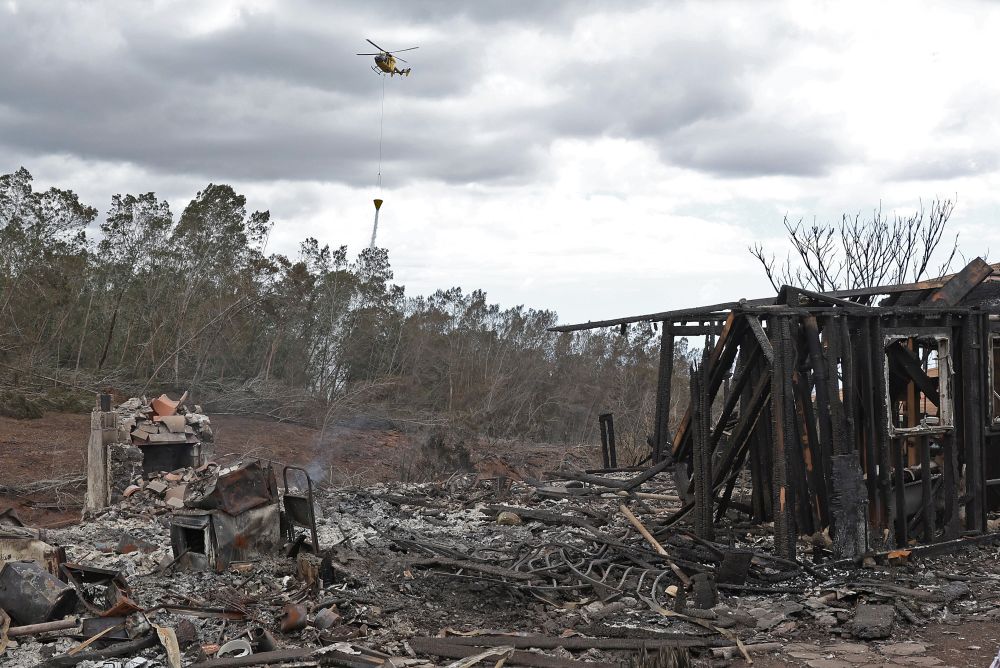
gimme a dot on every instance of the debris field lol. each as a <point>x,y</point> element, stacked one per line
<point>575,569</point>
<point>826,498</point>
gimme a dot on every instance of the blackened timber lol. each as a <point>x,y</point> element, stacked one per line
<point>927,504</point>
<point>572,643</point>
<point>758,333</point>
<point>848,506</point>
<point>716,366</point>
<point>847,498</point>
<point>661,429</point>
<point>789,293</point>
<point>701,465</point>
<point>809,441</point>
<point>951,521</point>
<point>949,473</point>
<point>715,310</point>
<point>706,312</point>
<point>881,413</point>
<point>832,347</point>
<point>850,399</point>
<point>782,410</point>
<point>697,330</point>
<point>972,381</point>
<point>877,511</point>
<point>731,458</point>
<point>805,505</point>
<point>961,284</point>
<point>605,449</point>
<point>740,382</point>
<point>819,370</point>
<point>762,436</point>
<point>899,487</point>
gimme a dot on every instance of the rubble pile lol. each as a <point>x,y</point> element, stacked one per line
<point>234,565</point>
<point>163,420</point>
<point>168,434</point>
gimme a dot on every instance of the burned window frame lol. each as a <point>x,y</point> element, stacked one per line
<point>992,381</point>
<point>946,374</point>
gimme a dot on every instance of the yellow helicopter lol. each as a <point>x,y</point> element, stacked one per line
<point>386,62</point>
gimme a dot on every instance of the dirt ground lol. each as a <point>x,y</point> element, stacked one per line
<point>54,447</point>
<point>971,643</point>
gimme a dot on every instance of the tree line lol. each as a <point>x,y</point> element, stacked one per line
<point>141,300</point>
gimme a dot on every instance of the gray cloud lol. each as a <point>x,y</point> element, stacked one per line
<point>947,163</point>
<point>749,146</point>
<point>282,95</point>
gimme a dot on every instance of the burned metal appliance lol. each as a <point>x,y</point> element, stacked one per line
<point>102,591</point>
<point>232,517</point>
<point>300,512</point>
<point>32,595</point>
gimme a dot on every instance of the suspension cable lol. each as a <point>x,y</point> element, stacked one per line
<point>381,123</point>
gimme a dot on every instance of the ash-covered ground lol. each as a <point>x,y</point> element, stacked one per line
<point>420,573</point>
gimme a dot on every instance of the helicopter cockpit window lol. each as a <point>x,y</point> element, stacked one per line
<point>918,373</point>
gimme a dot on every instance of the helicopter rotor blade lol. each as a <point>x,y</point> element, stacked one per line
<point>368,54</point>
<point>410,49</point>
<point>376,45</point>
<point>402,60</point>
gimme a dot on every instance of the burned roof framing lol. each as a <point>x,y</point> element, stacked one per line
<point>872,413</point>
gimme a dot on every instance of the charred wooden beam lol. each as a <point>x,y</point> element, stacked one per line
<point>809,441</point>
<point>961,284</point>
<point>880,406</point>
<point>971,375</point>
<point>758,332</point>
<point>661,429</point>
<point>848,507</point>
<point>697,330</point>
<point>701,466</point>
<point>928,507</point>
<point>609,452</point>
<point>720,359</point>
<point>782,412</point>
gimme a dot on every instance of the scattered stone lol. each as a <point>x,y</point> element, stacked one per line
<point>903,649</point>
<point>157,486</point>
<point>872,622</point>
<point>828,663</point>
<point>768,618</point>
<point>804,656</point>
<point>507,518</point>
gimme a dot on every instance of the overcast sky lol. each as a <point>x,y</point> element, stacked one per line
<point>599,159</point>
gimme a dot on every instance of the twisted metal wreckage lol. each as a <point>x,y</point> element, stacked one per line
<point>875,420</point>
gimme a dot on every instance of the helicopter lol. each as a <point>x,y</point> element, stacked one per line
<point>386,61</point>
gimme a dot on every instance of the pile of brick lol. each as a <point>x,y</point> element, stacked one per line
<point>169,434</point>
<point>163,420</point>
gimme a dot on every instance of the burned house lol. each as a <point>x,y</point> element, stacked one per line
<point>872,414</point>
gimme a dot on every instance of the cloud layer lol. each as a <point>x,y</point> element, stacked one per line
<point>572,139</point>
